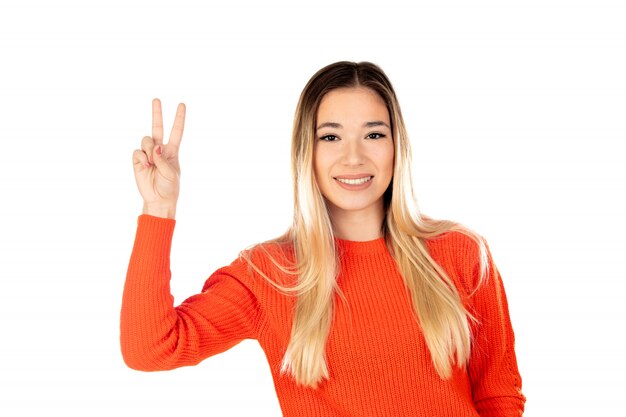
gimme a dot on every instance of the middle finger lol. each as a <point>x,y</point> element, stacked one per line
<point>157,121</point>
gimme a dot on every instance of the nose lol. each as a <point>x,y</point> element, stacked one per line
<point>353,153</point>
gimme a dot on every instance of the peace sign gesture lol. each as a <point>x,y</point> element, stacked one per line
<point>157,171</point>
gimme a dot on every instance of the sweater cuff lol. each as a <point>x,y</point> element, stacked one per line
<point>502,406</point>
<point>154,220</point>
<point>149,226</point>
<point>153,240</point>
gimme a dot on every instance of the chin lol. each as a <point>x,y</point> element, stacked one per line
<point>351,205</point>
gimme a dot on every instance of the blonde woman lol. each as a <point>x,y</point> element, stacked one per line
<point>364,306</point>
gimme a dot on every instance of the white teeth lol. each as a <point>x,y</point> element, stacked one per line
<point>354,182</point>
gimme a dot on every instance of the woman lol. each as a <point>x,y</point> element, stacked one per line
<point>365,306</point>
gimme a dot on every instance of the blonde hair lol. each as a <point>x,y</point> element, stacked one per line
<point>437,304</point>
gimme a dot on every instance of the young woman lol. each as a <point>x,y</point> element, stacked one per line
<point>365,306</point>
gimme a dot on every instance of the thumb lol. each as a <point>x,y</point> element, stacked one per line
<point>161,163</point>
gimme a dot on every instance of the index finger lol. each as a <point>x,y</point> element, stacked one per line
<point>179,125</point>
<point>157,121</point>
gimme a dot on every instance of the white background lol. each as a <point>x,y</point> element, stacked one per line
<point>516,113</point>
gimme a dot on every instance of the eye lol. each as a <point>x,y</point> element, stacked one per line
<point>328,138</point>
<point>379,136</point>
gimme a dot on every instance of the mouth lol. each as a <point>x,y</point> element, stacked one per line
<point>355,181</point>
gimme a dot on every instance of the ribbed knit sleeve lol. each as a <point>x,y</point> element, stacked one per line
<point>494,375</point>
<point>155,335</point>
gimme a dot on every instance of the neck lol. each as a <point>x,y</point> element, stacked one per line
<point>358,225</point>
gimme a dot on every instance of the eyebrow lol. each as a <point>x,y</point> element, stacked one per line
<point>339,126</point>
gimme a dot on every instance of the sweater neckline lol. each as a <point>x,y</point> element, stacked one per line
<point>362,247</point>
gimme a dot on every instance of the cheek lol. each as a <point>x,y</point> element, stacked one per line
<point>385,159</point>
<point>319,162</point>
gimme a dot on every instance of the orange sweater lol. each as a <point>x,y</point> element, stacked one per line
<point>378,361</point>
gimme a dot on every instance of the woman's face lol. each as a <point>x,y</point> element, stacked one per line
<point>353,139</point>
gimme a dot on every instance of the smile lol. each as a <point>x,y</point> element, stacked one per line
<point>355,181</point>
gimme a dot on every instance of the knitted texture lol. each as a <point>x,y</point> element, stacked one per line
<point>377,357</point>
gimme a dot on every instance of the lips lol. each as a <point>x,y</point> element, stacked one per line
<point>353,176</point>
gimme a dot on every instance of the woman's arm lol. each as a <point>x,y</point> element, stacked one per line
<point>155,335</point>
<point>495,378</point>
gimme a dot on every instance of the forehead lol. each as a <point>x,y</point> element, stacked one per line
<point>352,103</point>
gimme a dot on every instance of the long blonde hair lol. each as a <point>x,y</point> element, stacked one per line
<point>437,304</point>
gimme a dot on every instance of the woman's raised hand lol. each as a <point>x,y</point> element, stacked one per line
<point>157,171</point>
